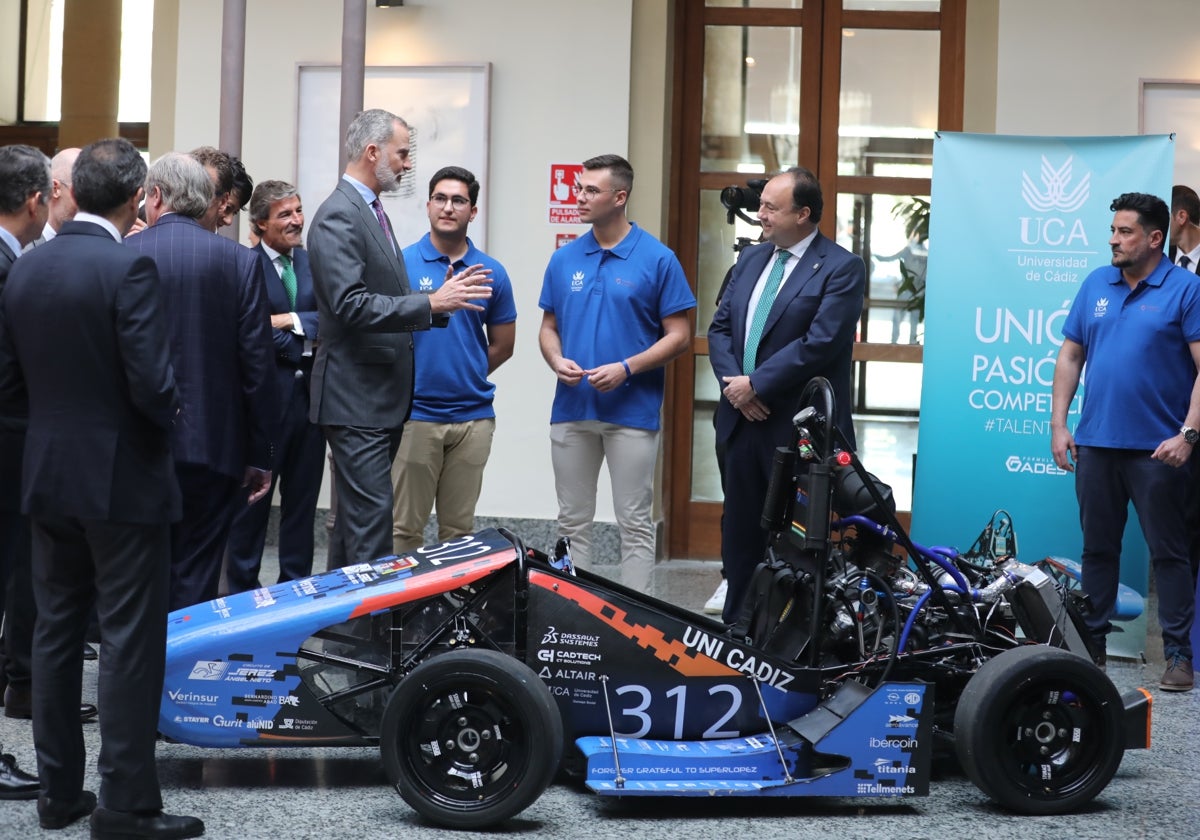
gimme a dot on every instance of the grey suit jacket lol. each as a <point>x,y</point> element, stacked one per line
<point>363,371</point>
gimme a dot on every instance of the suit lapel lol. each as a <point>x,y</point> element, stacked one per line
<point>802,275</point>
<point>741,291</point>
<point>372,224</point>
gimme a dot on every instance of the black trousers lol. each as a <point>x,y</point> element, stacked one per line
<point>19,612</point>
<point>198,539</point>
<point>300,463</point>
<point>123,570</point>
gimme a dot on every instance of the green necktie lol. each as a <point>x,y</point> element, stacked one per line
<point>288,276</point>
<point>765,301</point>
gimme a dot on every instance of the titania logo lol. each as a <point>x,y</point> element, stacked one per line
<point>577,281</point>
<point>425,284</point>
<point>1101,308</point>
<point>1056,191</point>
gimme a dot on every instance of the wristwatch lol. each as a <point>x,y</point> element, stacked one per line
<point>1190,435</point>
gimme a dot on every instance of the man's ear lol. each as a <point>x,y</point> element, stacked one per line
<point>32,203</point>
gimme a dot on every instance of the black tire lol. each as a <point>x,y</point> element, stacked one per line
<point>471,738</point>
<point>1039,730</point>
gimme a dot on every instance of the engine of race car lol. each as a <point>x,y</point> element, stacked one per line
<point>871,593</point>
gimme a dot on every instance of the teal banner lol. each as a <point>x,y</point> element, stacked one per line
<point>1016,224</point>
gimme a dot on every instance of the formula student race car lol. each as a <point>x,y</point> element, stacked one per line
<point>481,668</point>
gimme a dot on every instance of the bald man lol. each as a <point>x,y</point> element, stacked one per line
<point>62,201</point>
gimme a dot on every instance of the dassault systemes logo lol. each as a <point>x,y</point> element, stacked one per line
<point>1056,192</point>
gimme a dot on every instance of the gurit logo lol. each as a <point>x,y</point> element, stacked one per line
<point>1056,192</point>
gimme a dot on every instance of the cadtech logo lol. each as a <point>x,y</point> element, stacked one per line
<point>1056,192</point>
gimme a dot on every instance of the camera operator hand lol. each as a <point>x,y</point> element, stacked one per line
<point>741,396</point>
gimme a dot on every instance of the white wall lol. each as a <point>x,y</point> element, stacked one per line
<point>1071,67</point>
<point>560,93</point>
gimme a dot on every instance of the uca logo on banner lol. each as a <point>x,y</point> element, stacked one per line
<point>1055,195</point>
<point>1056,192</point>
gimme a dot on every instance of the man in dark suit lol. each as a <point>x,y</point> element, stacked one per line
<point>1184,231</point>
<point>221,350</point>
<point>362,378</point>
<point>83,338</point>
<point>25,187</point>
<point>277,218</point>
<point>19,167</point>
<point>789,314</point>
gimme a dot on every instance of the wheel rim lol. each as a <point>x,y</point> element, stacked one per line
<point>466,744</point>
<point>1055,737</point>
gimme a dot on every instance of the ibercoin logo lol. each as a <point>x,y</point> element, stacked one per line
<point>1056,192</point>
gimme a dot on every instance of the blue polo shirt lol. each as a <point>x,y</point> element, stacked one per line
<point>1138,372</point>
<point>609,304</point>
<point>451,384</point>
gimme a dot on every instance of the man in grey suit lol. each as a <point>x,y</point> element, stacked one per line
<point>362,377</point>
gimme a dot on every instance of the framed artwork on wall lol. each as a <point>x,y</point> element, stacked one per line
<point>446,106</point>
<point>1172,106</point>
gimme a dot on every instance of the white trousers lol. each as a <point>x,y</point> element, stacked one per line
<point>577,449</point>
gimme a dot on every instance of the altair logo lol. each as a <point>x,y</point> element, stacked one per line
<point>1056,192</point>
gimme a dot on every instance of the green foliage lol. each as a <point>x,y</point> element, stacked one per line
<point>914,212</point>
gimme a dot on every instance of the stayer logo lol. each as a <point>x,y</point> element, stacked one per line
<point>1056,192</point>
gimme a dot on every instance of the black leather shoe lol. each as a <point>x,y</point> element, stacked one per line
<point>18,703</point>
<point>54,813</point>
<point>126,825</point>
<point>15,783</point>
<point>89,653</point>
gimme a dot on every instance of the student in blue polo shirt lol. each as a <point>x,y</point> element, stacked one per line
<point>448,438</point>
<point>615,311</point>
<point>1136,324</point>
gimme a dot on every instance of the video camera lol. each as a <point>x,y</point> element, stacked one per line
<point>740,200</point>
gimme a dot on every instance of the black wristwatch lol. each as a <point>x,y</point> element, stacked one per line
<point>1190,435</point>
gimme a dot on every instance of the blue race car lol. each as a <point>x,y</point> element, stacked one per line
<point>481,668</point>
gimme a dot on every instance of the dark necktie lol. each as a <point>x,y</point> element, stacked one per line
<point>1185,261</point>
<point>288,276</point>
<point>377,205</point>
<point>762,310</point>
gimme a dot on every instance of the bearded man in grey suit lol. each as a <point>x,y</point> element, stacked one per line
<point>362,377</point>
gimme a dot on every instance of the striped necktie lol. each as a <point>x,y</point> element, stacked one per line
<point>377,206</point>
<point>759,321</point>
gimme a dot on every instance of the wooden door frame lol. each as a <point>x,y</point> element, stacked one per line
<point>692,528</point>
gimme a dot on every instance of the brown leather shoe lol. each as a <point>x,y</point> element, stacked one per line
<point>1179,675</point>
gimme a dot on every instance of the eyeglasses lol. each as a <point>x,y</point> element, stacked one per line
<point>458,202</point>
<point>591,192</point>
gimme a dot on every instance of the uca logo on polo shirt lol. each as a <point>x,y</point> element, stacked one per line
<point>425,284</point>
<point>577,281</point>
<point>1101,308</point>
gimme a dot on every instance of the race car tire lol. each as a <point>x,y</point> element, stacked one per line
<point>471,738</point>
<point>1039,730</point>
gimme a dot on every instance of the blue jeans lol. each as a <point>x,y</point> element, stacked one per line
<point>1106,480</point>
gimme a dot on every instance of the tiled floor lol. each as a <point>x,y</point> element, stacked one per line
<point>333,793</point>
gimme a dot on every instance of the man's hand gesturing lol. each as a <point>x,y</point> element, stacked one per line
<point>459,291</point>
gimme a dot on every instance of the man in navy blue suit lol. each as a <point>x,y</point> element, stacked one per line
<point>277,217</point>
<point>790,314</point>
<point>83,338</point>
<point>25,187</point>
<point>221,349</point>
